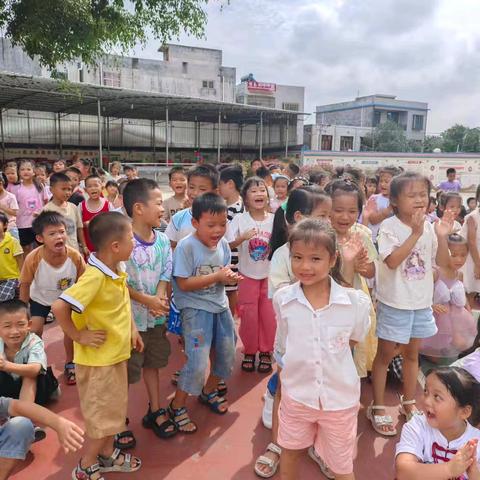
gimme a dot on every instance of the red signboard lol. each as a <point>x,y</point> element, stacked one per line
<point>261,87</point>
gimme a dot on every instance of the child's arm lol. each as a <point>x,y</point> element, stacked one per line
<point>19,259</point>
<point>137,342</point>
<point>472,244</point>
<point>30,370</point>
<point>378,216</point>
<point>242,237</point>
<point>152,302</point>
<point>70,435</point>
<point>224,275</point>
<point>81,240</point>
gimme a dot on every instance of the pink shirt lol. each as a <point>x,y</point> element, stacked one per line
<point>8,200</point>
<point>30,201</point>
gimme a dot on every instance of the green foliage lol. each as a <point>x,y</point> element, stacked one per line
<point>432,142</point>
<point>59,31</point>
<point>460,138</point>
<point>388,137</point>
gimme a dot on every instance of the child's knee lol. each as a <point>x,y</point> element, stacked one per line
<point>18,435</point>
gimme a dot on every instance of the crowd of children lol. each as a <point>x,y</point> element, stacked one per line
<point>334,276</point>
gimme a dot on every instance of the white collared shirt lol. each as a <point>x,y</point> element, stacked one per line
<point>318,368</point>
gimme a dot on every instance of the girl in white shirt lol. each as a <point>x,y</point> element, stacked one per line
<point>318,322</point>
<point>442,444</point>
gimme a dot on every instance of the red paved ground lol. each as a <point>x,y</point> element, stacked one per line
<point>224,447</point>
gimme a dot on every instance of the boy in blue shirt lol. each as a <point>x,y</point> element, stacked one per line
<point>200,272</point>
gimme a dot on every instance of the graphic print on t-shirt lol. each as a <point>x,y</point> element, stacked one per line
<point>444,455</point>
<point>65,283</point>
<point>258,249</point>
<point>414,268</point>
<point>207,270</point>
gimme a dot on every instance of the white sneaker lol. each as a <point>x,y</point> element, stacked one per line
<point>267,412</point>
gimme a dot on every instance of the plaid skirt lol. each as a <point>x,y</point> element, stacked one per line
<point>8,289</point>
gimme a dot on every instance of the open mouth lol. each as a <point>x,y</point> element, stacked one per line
<point>59,244</point>
<point>430,415</point>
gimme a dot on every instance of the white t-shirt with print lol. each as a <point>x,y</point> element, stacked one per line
<point>252,254</point>
<point>429,445</point>
<point>410,285</point>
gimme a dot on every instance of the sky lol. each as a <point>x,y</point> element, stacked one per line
<point>424,50</point>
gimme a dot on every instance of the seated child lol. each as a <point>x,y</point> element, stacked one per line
<point>47,272</point>
<point>11,260</point>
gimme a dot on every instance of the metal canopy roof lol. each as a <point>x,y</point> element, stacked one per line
<point>45,94</point>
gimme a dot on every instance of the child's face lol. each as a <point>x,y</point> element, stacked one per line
<point>198,186</point>
<point>11,174</point>
<point>112,190</point>
<point>256,165</point>
<point>14,327</point>
<point>458,255</point>
<point>152,212</point>
<point>451,176</point>
<point>257,197</point>
<point>431,207</point>
<point>41,175</point>
<point>311,264</point>
<point>26,171</point>
<point>74,178</point>
<point>54,238</point>
<point>84,169</point>
<point>472,204</point>
<point>412,198</point>
<point>344,212</point>
<point>441,409</point>
<point>94,188</point>
<point>323,211</point>
<point>211,227</point>
<point>58,166</point>
<point>225,189</point>
<point>371,188</point>
<point>130,173</point>
<point>115,170</point>
<point>178,183</point>
<point>61,191</point>
<point>384,184</point>
<point>280,188</point>
<point>454,205</point>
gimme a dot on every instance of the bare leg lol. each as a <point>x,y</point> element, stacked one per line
<point>210,386</point>
<point>68,345</point>
<point>289,464</point>
<point>180,401</point>
<point>37,325</point>
<point>232,302</point>
<point>152,384</point>
<point>6,467</point>
<point>348,476</point>
<point>29,389</point>
<point>410,372</point>
<point>93,447</point>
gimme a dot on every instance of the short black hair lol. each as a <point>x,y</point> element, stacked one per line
<point>256,160</point>
<point>111,183</point>
<point>471,198</point>
<point>59,177</point>
<point>47,219</point>
<point>451,170</point>
<point>4,221</point>
<point>13,306</point>
<point>263,172</point>
<point>137,191</point>
<point>74,170</point>
<point>400,182</point>
<point>91,177</point>
<point>233,173</point>
<point>208,203</point>
<point>206,171</point>
<point>107,227</point>
<point>129,167</point>
<point>294,168</point>
<point>174,170</point>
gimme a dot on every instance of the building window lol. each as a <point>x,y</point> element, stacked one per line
<point>205,83</point>
<point>111,79</point>
<point>184,67</point>
<point>210,84</point>
<point>376,118</point>
<point>346,144</point>
<point>327,141</point>
<point>417,122</point>
<point>393,117</point>
<point>294,107</point>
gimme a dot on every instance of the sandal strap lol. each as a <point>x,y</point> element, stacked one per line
<point>274,448</point>
<point>158,413</point>
<point>69,366</point>
<point>265,357</point>
<point>407,402</point>
<point>92,469</point>
<point>270,463</point>
<point>377,407</point>
<point>383,420</point>
<point>248,358</point>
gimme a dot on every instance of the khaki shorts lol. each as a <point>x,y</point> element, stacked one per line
<point>155,353</point>
<point>103,393</point>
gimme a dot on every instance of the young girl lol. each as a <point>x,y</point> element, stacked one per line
<point>115,171</point>
<point>250,232</point>
<point>371,186</point>
<point>442,444</point>
<point>8,206</point>
<point>113,195</point>
<point>452,202</point>
<point>41,177</point>
<point>11,173</point>
<point>318,322</point>
<point>31,197</point>
<point>94,205</point>
<point>456,325</point>
<point>407,245</point>
<point>280,187</point>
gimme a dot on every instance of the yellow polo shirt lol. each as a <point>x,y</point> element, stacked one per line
<point>9,249</point>
<point>100,301</point>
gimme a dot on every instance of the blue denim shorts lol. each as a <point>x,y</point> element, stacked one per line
<point>400,326</point>
<point>16,436</point>
<point>203,331</point>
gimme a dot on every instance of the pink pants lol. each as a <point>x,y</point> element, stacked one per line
<point>257,325</point>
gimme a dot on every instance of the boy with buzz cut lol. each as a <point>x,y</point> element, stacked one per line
<point>178,183</point>
<point>201,269</point>
<point>149,271</point>
<point>96,314</point>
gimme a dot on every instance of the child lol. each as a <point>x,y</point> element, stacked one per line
<point>61,189</point>
<point>149,270</point>
<point>113,195</point>
<point>407,247</point>
<point>471,204</point>
<point>320,320</point>
<point>130,172</point>
<point>93,206</point>
<point>59,165</point>
<point>177,179</point>
<point>200,271</point>
<point>104,332</point>
<point>264,174</point>
<point>250,232</point>
<point>292,170</point>
<point>371,186</point>
<point>41,174</point>
<point>455,324</point>
<point>8,206</point>
<point>442,444</point>
<point>432,210</point>
<point>451,184</point>
<point>255,164</point>
<point>11,173</point>
<point>23,362</point>
<point>280,187</point>
<point>31,197</point>
<point>47,272</point>
<point>11,261</point>
<point>453,202</point>
<point>115,171</point>
<point>75,176</point>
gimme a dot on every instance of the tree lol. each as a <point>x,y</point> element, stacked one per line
<point>59,31</point>
<point>387,137</point>
<point>432,142</point>
<point>454,138</point>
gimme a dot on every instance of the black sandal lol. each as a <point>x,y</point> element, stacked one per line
<point>125,434</point>
<point>265,364</point>
<point>175,413</point>
<point>222,388</point>
<point>213,400</point>
<point>162,430</point>
<point>248,363</point>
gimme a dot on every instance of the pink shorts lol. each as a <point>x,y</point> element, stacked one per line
<point>332,433</point>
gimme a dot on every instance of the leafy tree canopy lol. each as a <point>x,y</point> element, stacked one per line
<point>388,137</point>
<point>59,31</point>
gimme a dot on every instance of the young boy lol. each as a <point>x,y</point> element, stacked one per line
<point>200,273</point>
<point>61,189</point>
<point>47,272</point>
<point>17,432</point>
<point>200,179</point>
<point>149,271</point>
<point>75,177</point>
<point>451,184</point>
<point>130,172</point>
<point>178,183</point>
<point>95,313</point>
<point>11,261</point>
<point>292,170</point>
<point>59,165</point>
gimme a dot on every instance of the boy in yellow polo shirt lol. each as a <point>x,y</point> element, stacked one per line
<point>11,260</point>
<point>95,313</point>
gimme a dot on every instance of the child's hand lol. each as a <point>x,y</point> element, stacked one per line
<point>3,363</point>
<point>361,262</point>
<point>418,222</point>
<point>473,471</point>
<point>225,275</point>
<point>137,341</point>
<point>70,435</point>
<point>248,234</point>
<point>352,248</point>
<point>155,304</point>
<point>462,461</point>
<point>444,226</point>
<point>92,338</point>
<point>439,308</point>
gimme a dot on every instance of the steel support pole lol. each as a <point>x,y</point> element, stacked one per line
<point>286,137</point>
<point>60,145</point>
<point>153,140</point>
<point>166,136</point>
<point>99,124</point>
<point>2,135</point>
<point>261,136</point>
<point>219,139</point>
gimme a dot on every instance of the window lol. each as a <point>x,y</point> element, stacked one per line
<point>376,118</point>
<point>327,142</point>
<point>111,79</point>
<point>417,122</point>
<point>210,84</point>
<point>393,116</point>
<point>294,107</point>
<point>184,67</point>
<point>346,143</point>
<point>205,83</point>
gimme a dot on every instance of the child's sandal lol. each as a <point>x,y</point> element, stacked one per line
<point>181,423</point>
<point>408,415</point>
<point>166,429</point>
<point>222,388</point>
<point>213,401</point>
<point>80,473</point>
<point>248,363</point>
<point>69,374</point>
<point>265,364</point>
<point>379,421</point>
<point>107,464</point>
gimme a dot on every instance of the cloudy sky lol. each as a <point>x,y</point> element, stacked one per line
<point>426,50</point>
